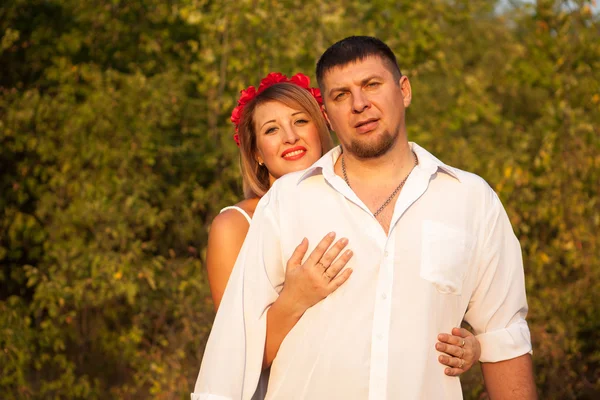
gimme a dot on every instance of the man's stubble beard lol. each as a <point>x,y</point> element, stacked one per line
<point>382,145</point>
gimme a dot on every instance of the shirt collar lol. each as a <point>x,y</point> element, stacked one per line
<point>324,164</point>
<point>427,162</point>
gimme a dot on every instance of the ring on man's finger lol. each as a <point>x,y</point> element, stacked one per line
<point>463,343</point>
<point>462,363</point>
<point>462,354</point>
<point>321,264</point>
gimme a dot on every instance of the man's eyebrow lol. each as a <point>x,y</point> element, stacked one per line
<point>362,83</point>
<point>338,89</point>
<point>370,77</point>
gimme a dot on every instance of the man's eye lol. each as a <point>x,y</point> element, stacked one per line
<point>340,96</point>
<point>373,84</point>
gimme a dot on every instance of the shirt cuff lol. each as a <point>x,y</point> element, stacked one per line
<point>208,396</point>
<point>505,344</point>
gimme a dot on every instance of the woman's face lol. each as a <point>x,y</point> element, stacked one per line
<point>287,138</point>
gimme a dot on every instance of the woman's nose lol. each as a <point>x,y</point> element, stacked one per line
<point>289,135</point>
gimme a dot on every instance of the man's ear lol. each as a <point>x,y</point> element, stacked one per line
<point>324,111</point>
<point>406,90</point>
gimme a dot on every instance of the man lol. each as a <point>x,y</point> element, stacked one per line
<point>432,246</point>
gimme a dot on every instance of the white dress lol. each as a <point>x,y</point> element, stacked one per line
<point>244,213</point>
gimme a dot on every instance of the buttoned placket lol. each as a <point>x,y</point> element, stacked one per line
<point>415,186</point>
<point>381,322</point>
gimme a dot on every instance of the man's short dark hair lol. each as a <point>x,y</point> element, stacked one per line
<point>356,48</point>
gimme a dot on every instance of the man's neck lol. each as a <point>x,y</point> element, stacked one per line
<point>392,166</point>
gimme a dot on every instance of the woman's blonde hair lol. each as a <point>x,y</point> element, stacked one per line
<point>255,177</point>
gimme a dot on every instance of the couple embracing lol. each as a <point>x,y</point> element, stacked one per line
<point>361,258</point>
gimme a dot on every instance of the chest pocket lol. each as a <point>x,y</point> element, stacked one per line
<point>445,256</point>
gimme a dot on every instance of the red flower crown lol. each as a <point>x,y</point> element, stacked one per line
<point>274,77</point>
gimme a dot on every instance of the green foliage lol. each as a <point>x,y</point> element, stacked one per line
<point>116,153</point>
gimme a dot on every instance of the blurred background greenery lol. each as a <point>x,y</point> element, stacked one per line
<point>116,152</point>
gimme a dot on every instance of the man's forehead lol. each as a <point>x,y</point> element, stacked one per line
<point>356,70</point>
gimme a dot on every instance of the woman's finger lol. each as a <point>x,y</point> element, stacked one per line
<point>339,264</point>
<point>321,248</point>
<point>445,360</point>
<point>462,332</point>
<point>331,254</point>
<point>455,365</point>
<point>452,339</point>
<point>452,350</point>
<point>472,348</point>
<point>453,371</point>
<point>453,362</point>
<point>339,280</point>
<point>298,254</point>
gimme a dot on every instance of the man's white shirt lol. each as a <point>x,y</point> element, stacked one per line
<point>450,255</point>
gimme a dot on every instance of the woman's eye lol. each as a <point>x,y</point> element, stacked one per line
<point>301,122</point>
<point>270,130</point>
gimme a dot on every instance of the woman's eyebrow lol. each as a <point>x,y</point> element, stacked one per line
<point>267,123</point>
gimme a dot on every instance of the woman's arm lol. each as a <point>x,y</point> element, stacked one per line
<point>305,285</point>
<point>227,234</point>
<point>462,351</point>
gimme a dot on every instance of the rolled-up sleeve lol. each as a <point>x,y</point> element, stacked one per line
<point>498,306</point>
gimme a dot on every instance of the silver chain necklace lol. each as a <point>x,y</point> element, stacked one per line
<point>394,193</point>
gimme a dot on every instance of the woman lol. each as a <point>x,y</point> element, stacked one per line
<point>280,129</point>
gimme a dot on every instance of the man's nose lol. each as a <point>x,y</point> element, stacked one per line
<point>360,102</point>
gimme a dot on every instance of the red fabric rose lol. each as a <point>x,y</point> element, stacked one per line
<point>236,137</point>
<point>271,79</point>
<point>247,95</point>
<point>316,92</point>
<point>236,115</point>
<point>301,80</point>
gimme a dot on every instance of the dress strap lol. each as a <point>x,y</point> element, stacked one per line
<point>244,213</point>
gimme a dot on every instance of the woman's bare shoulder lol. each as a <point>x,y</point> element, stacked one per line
<point>231,225</point>
<point>248,205</point>
<point>227,233</point>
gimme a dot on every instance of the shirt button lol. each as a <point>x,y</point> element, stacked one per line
<point>383,296</point>
<point>385,254</point>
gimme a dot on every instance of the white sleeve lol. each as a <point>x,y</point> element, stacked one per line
<point>498,307</point>
<point>232,361</point>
